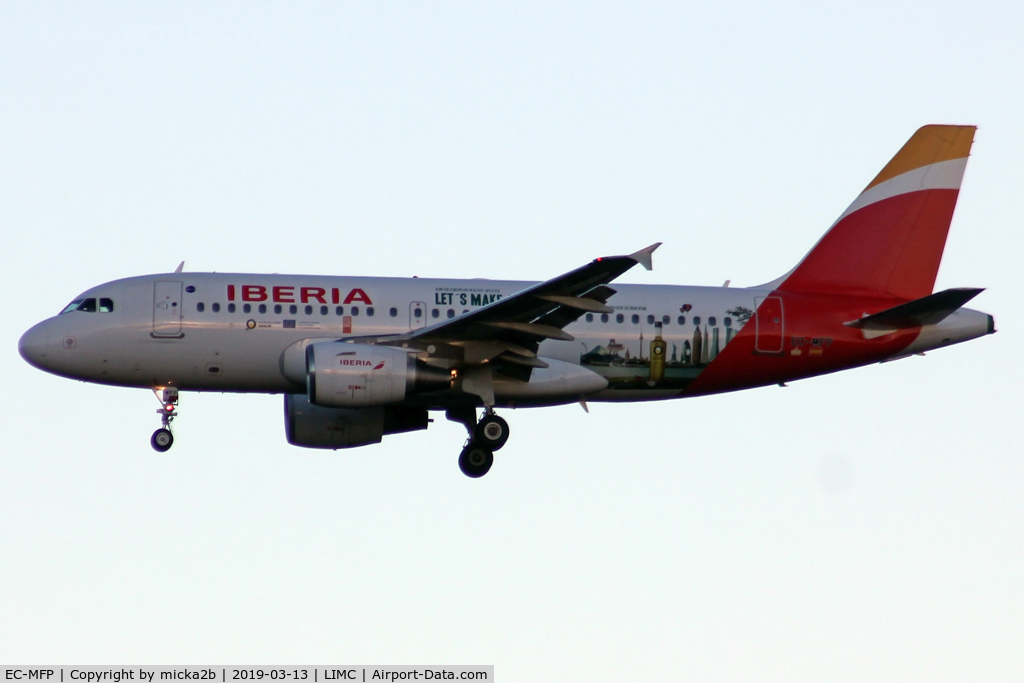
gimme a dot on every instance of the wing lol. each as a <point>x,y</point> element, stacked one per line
<point>509,331</point>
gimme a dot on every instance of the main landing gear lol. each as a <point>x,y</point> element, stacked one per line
<point>162,439</point>
<point>485,437</point>
<point>475,461</point>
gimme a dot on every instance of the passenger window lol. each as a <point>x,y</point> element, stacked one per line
<point>435,313</point>
<point>87,306</point>
<point>263,308</point>
<point>293,309</point>
<point>106,305</point>
<point>682,320</point>
<point>309,310</point>
<point>369,311</point>
<point>696,320</point>
<point>355,310</point>
<point>620,318</point>
<point>650,320</point>
<point>231,308</point>
<point>216,308</point>
<point>340,310</point>
<point>727,321</point>
<point>712,321</point>
<point>665,320</point>
<point>200,307</point>
<point>323,310</point>
<point>604,317</point>
<point>246,308</point>
<point>393,312</point>
<point>636,319</point>
<point>590,317</point>
<point>451,314</point>
<point>72,306</point>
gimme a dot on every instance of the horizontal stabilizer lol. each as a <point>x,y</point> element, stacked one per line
<point>928,310</point>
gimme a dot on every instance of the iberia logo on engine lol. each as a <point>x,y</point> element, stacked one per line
<point>378,366</point>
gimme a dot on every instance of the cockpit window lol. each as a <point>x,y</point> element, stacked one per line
<point>89,306</point>
<point>72,306</point>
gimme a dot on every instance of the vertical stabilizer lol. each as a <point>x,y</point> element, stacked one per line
<point>889,241</point>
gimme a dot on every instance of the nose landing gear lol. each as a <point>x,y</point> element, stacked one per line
<point>162,439</point>
<point>485,437</point>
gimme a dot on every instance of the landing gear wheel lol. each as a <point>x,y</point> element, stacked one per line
<point>162,440</point>
<point>475,461</point>
<point>491,431</point>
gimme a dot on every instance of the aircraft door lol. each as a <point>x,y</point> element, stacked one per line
<point>770,325</point>
<point>417,315</point>
<point>166,309</point>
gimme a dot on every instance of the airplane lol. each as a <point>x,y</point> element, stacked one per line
<point>359,358</point>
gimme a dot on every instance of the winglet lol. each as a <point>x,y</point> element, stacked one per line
<point>181,267</point>
<point>643,257</point>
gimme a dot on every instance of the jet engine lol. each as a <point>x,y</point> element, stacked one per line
<point>312,426</point>
<point>341,375</point>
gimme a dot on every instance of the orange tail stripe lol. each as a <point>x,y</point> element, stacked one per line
<point>929,145</point>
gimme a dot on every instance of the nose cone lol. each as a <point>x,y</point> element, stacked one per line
<point>34,346</point>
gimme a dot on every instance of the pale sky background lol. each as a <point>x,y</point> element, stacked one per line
<point>865,526</point>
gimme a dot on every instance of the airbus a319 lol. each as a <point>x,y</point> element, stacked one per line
<point>358,358</point>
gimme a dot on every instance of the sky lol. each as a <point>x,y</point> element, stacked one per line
<point>864,526</point>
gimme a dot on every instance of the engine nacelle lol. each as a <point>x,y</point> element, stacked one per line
<point>312,426</point>
<point>342,375</point>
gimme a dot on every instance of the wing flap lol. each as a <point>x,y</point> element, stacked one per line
<point>581,303</point>
<point>522,360</point>
<point>535,330</point>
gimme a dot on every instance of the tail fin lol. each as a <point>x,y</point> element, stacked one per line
<point>889,241</point>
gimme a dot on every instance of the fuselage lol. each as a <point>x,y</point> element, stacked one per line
<point>359,358</point>
<point>230,332</point>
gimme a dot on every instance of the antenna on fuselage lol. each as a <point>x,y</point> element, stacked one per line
<point>181,267</point>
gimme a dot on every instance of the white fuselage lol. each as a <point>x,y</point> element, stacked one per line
<point>241,350</point>
<point>230,332</point>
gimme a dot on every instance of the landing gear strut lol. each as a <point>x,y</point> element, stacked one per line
<point>485,437</point>
<point>162,439</point>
